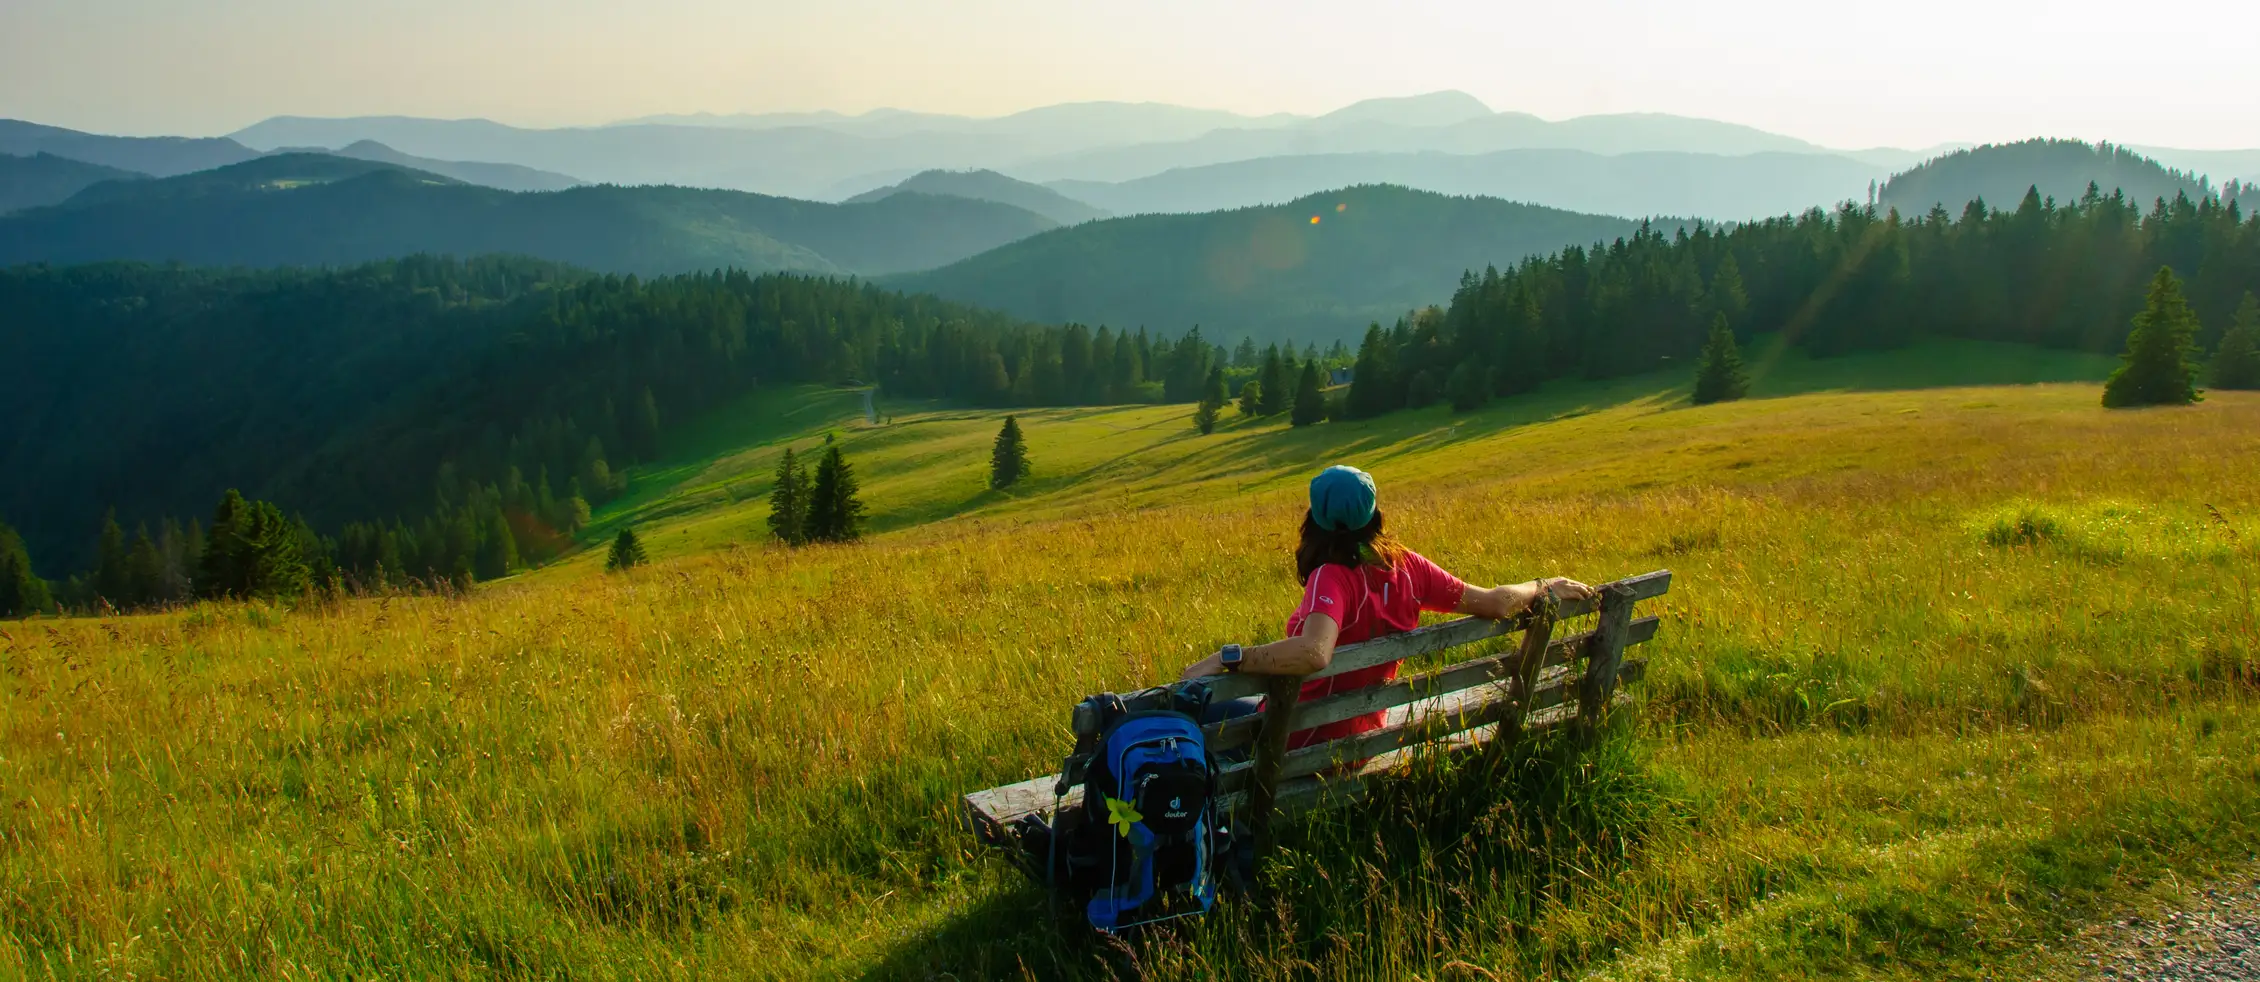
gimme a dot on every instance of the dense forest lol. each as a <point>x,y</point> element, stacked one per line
<point>2067,275</point>
<point>2059,168</point>
<point>422,411</point>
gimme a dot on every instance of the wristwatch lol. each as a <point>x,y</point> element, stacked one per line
<point>1229,657</point>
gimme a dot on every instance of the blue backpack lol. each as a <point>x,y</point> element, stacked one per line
<point>1142,848</point>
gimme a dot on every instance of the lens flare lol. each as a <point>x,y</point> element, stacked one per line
<point>1314,219</point>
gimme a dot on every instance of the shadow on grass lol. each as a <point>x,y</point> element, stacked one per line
<point>1460,845</point>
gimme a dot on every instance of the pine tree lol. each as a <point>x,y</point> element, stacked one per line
<point>1008,459</point>
<point>498,549</point>
<point>112,581</point>
<point>1310,397</point>
<point>1369,379</point>
<point>2161,365</point>
<point>145,571</point>
<point>834,512</point>
<point>788,501</point>
<point>1213,398</point>
<point>1720,377</point>
<point>1726,295</point>
<point>251,551</point>
<point>2236,364</point>
<point>22,592</point>
<point>1276,392</point>
<point>1468,387</point>
<point>626,552</point>
<point>1251,398</point>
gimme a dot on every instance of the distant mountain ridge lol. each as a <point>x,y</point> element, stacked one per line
<point>1710,186</point>
<point>158,156</point>
<point>988,185</point>
<point>1318,268</point>
<point>506,177</point>
<point>318,209</point>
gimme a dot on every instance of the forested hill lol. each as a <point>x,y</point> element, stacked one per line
<point>318,209</point>
<point>2060,169</point>
<point>1318,268</point>
<point>458,396</point>
<point>44,179</point>
<point>988,185</point>
<point>2057,275</point>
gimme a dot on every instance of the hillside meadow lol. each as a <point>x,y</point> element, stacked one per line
<point>1942,670</point>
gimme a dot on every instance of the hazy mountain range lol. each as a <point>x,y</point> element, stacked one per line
<point>988,185</point>
<point>319,209</point>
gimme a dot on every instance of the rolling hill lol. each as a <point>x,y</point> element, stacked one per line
<point>505,177</point>
<point>2062,169</point>
<point>1730,188</point>
<point>988,185</point>
<point>161,156</point>
<point>44,179</point>
<point>314,209</point>
<point>1317,268</point>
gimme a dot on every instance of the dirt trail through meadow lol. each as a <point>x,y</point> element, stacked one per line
<point>2214,937</point>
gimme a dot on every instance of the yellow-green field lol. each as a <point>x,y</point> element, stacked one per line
<point>1942,669</point>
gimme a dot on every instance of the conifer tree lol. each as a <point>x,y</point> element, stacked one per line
<point>498,550</point>
<point>627,553</point>
<point>1251,398</point>
<point>1468,387</point>
<point>1213,398</point>
<point>145,570</point>
<point>2236,364</point>
<point>1276,391</point>
<point>788,501</point>
<point>835,514</point>
<point>1720,377</point>
<point>1008,459</point>
<point>1369,378</point>
<point>2160,361</point>
<point>1310,397</point>
<point>111,579</point>
<point>22,592</point>
<point>251,551</point>
<point>1726,295</point>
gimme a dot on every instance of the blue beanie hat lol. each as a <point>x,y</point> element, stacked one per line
<point>1342,498</point>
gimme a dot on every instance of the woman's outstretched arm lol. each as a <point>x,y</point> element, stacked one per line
<point>1305,653</point>
<point>1500,602</point>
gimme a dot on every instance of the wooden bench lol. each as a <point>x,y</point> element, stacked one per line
<point>1541,683</point>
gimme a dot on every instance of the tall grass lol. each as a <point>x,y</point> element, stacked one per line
<point>1876,738</point>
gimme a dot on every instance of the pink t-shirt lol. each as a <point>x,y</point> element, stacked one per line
<point>1368,602</point>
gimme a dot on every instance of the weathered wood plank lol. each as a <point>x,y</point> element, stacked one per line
<point>1604,652</point>
<point>1480,671</point>
<point>1437,637</point>
<point>989,812</point>
<point>1279,696</point>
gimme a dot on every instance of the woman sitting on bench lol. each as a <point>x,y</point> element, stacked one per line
<point>1359,584</point>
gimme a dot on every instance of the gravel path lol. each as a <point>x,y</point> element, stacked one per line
<point>2216,938</point>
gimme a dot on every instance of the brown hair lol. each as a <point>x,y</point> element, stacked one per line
<point>1366,546</point>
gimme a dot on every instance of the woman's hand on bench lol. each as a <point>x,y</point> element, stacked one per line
<point>1501,602</point>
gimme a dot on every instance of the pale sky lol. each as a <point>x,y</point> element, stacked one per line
<point>1910,73</point>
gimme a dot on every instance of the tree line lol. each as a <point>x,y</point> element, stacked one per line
<point>2064,275</point>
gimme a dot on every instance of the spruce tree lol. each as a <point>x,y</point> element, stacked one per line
<point>1008,459</point>
<point>1310,397</point>
<point>251,551</point>
<point>22,592</point>
<point>112,580</point>
<point>2236,364</point>
<point>1251,398</point>
<point>1370,394</point>
<point>626,552</point>
<point>498,549</point>
<point>1276,392</point>
<point>1720,377</point>
<point>1468,387</point>
<point>835,514</point>
<point>1213,398</point>
<point>788,501</point>
<point>145,570</point>
<point>2160,361</point>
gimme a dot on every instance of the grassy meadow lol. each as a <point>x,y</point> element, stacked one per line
<point>1942,669</point>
